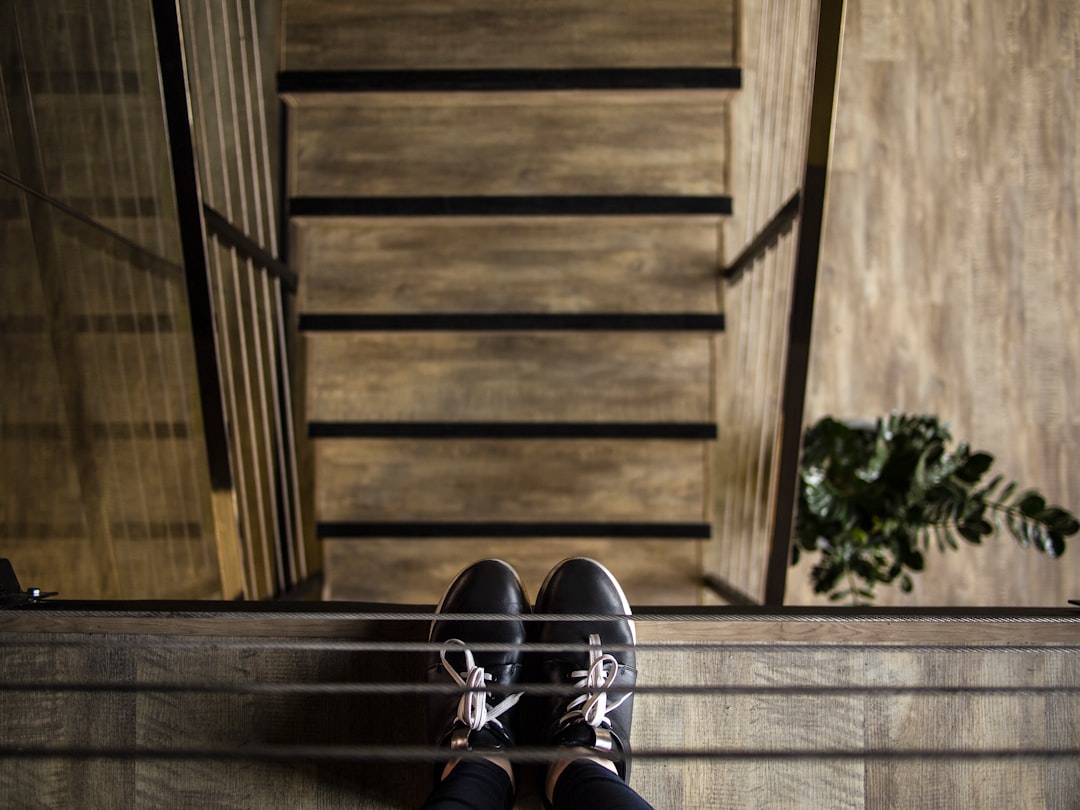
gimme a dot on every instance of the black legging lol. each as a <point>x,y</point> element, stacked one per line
<point>482,785</point>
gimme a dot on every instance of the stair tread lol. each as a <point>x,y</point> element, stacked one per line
<point>343,34</point>
<point>497,264</point>
<point>510,377</point>
<point>658,572</point>
<point>433,144</point>
<point>521,480</point>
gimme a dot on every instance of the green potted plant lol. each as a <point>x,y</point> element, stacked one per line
<point>874,499</point>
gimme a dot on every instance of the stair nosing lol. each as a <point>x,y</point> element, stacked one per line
<point>513,321</point>
<point>548,205</point>
<point>727,77</point>
<point>325,429</point>
<point>326,530</point>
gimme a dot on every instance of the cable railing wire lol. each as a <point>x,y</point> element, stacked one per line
<point>216,643</point>
<point>522,754</point>
<point>533,689</point>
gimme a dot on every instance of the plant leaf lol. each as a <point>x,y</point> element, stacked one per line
<point>1031,504</point>
<point>974,468</point>
<point>1059,520</point>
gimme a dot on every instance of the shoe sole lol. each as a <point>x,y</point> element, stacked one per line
<point>446,593</point>
<point>611,577</point>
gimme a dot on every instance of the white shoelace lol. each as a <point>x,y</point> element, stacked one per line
<point>473,709</point>
<point>593,705</point>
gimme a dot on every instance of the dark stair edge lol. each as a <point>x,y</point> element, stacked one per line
<point>509,79</point>
<point>512,430</point>
<point>504,529</point>
<point>512,321</point>
<point>551,205</point>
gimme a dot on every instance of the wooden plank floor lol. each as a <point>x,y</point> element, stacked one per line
<point>949,267</point>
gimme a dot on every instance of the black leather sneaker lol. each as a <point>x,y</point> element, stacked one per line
<point>476,719</point>
<point>599,713</point>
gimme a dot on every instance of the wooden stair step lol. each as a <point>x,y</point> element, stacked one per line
<point>509,144</point>
<point>512,377</point>
<point>387,480</point>
<point>655,572</point>
<point>495,264</point>
<point>411,34</point>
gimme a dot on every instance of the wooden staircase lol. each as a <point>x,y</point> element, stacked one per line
<point>505,222</point>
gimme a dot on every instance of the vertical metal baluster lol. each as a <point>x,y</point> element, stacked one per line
<point>251,223</point>
<point>249,367</point>
<point>221,311</point>
<point>286,427</point>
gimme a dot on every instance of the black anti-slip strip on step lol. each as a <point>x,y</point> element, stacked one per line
<point>510,430</point>
<point>417,530</point>
<point>514,321</point>
<point>511,206</point>
<point>405,81</point>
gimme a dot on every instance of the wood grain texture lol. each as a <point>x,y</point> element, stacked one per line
<point>527,480</point>
<point>432,144</point>
<point>507,265</point>
<point>996,709</point>
<point>651,572</point>
<point>510,377</point>
<point>409,35</point>
<point>750,356</point>
<point>769,116</point>
<point>948,275</point>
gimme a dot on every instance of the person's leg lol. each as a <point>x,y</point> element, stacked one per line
<point>595,718</point>
<point>475,719</point>
<point>585,783</point>
<point>473,785</point>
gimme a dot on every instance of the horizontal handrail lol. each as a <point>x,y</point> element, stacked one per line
<point>780,222</point>
<point>228,234</point>
<point>148,260</point>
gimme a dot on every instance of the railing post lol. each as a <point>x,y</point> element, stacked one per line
<point>800,319</point>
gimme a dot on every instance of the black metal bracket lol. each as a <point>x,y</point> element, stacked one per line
<point>11,593</point>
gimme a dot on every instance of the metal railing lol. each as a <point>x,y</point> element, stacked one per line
<point>220,139</point>
<point>146,419</point>
<point>791,55</point>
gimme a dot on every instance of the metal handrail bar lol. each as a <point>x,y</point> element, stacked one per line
<point>177,106</point>
<point>231,236</point>
<point>779,224</point>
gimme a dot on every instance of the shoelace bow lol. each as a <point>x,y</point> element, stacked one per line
<point>473,709</point>
<point>593,705</point>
